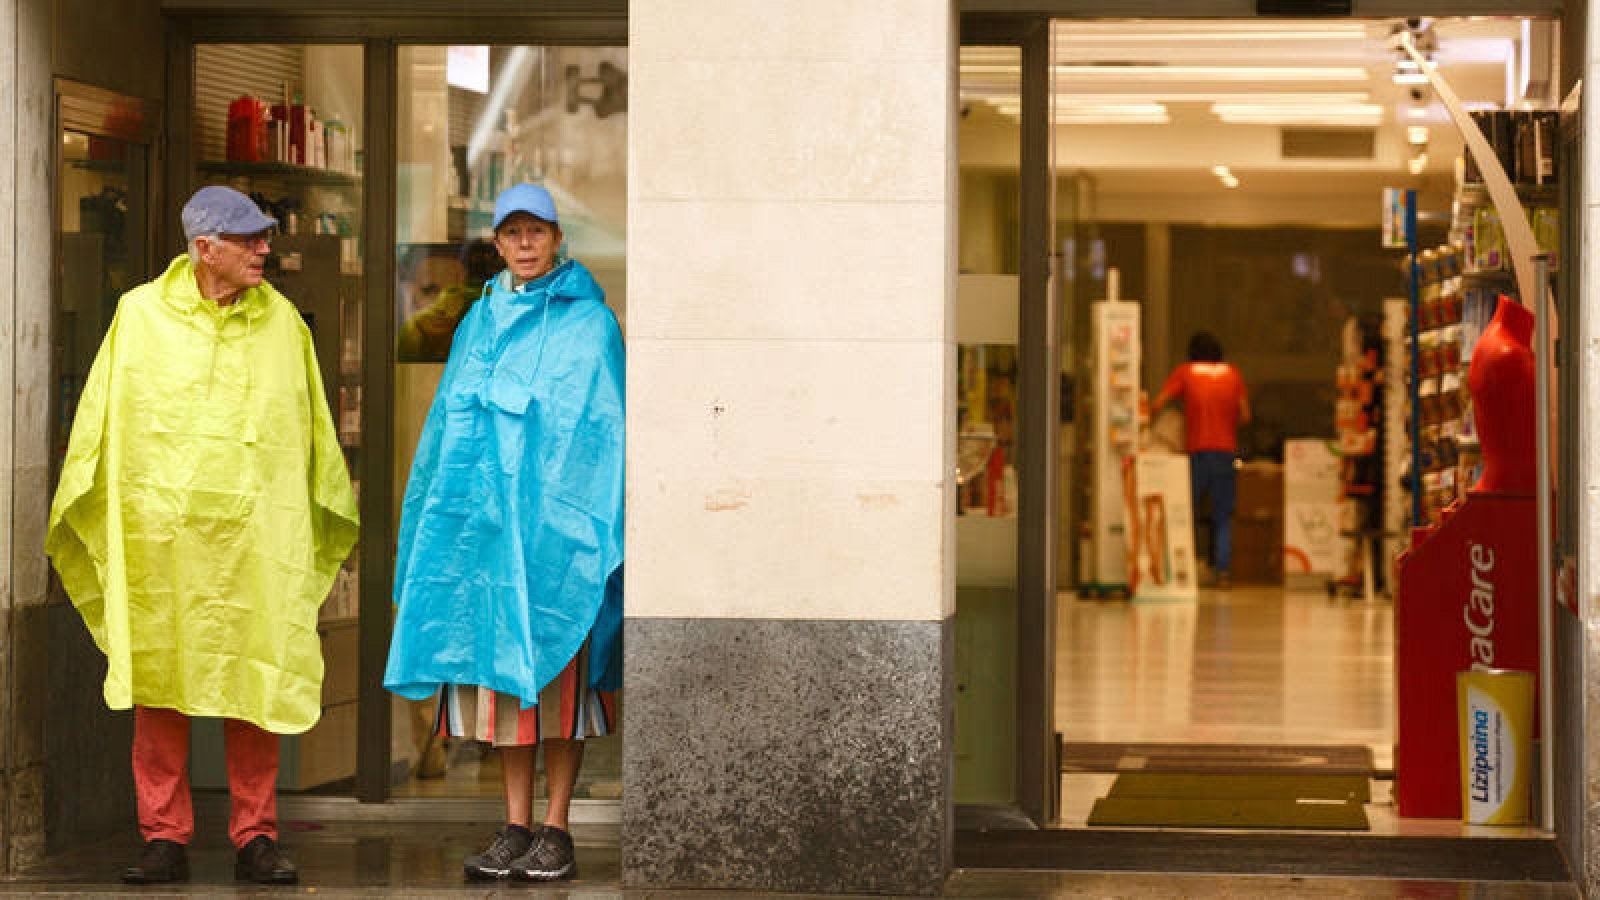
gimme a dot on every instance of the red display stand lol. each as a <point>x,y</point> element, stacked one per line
<point>1468,595</point>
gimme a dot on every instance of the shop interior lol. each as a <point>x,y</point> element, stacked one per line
<point>1230,177</point>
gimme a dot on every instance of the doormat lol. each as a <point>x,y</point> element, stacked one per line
<point>1320,802</point>
<point>1238,759</point>
<point>1173,784</point>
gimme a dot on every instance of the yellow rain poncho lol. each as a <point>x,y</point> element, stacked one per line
<point>204,507</point>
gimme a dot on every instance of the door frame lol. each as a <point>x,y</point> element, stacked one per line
<point>192,22</point>
<point>1026,25</point>
<point>1038,780</point>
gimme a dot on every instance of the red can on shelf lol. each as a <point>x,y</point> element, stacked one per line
<point>247,130</point>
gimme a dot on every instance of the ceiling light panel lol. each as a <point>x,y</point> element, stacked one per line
<point>1355,114</point>
<point>1133,74</point>
<point>1182,94</point>
<point>1188,29</point>
<point>1178,42</point>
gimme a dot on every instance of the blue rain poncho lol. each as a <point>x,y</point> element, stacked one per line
<point>510,546</point>
<point>204,507</point>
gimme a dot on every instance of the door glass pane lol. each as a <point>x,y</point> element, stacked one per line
<point>474,120</point>
<point>987,427</point>
<point>102,236</point>
<point>283,124</point>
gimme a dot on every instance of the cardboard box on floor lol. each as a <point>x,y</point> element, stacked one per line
<point>1258,524</point>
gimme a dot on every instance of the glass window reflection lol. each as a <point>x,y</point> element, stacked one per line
<point>474,120</point>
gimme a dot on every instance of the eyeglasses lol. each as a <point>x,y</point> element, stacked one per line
<point>249,241</point>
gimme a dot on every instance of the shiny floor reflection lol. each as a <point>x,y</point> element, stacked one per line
<point>1251,665</point>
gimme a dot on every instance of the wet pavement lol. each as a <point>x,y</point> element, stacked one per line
<point>424,860</point>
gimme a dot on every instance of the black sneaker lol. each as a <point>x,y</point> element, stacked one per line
<point>263,862</point>
<point>495,862</point>
<point>550,857</point>
<point>160,861</point>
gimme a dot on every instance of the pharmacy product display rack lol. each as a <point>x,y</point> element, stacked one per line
<point>1114,438</point>
<point>1460,284</point>
<point>1441,405</point>
<point>1359,423</point>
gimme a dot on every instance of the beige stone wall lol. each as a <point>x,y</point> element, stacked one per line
<point>790,273</point>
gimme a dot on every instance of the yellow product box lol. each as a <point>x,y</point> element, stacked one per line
<point>1495,708</point>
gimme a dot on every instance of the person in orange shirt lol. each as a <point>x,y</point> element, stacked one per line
<point>1215,404</point>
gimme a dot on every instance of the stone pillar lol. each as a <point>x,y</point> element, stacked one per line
<point>8,348</point>
<point>791,260</point>
<point>25,290</point>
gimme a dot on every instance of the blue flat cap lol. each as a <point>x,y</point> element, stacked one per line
<point>222,210</point>
<point>526,198</point>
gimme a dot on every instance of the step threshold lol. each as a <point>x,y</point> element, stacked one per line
<point>1256,853</point>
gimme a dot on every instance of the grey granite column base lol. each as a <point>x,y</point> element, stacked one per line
<point>800,756</point>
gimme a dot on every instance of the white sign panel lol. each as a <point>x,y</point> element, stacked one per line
<point>1311,508</point>
<point>1161,564</point>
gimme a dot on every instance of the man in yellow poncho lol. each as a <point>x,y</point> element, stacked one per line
<point>202,514</point>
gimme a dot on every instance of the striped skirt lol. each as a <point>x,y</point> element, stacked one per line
<point>568,708</point>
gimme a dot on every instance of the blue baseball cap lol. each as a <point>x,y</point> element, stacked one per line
<point>526,198</point>
<point>222,210</point>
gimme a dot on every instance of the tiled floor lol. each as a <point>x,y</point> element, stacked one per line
<point>1251,665</point>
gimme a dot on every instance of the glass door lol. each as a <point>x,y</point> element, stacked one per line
<point>102,229</point>
<point>1008,420</point>
<point>282,123</point>
<point>988,291</point>
<point>471,121</point>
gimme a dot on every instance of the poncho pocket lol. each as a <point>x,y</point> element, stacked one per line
<point>509,394</point>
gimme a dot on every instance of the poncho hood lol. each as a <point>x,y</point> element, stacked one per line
<point>510,545</point>
<point>204,505</point>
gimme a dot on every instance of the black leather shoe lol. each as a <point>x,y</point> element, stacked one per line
<point>263,862</point>
<point>160,861</point>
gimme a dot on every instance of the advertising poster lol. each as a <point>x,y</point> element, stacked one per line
<point>1311,508</point>
<point>1161,564</point>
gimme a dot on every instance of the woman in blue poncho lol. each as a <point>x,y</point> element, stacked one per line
<point>508,571</point>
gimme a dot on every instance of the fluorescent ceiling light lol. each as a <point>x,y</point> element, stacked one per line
<point>1354,114</point>
<point>1410,78</point>
<point>1476,50</point>
<point>1213,73</point>
<point>1007,93</point>
<point>1192,30</point>
<point>1416,134</point>
<point>1179,95</point>
<point>1417,164</point>
<point>1080,113</point>
<point>1232,35</point>
<point>1080,117</point>
<point>1226,175</point>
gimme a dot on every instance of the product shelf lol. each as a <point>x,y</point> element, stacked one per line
<point>1475,195</point>
<point>309,174</point>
